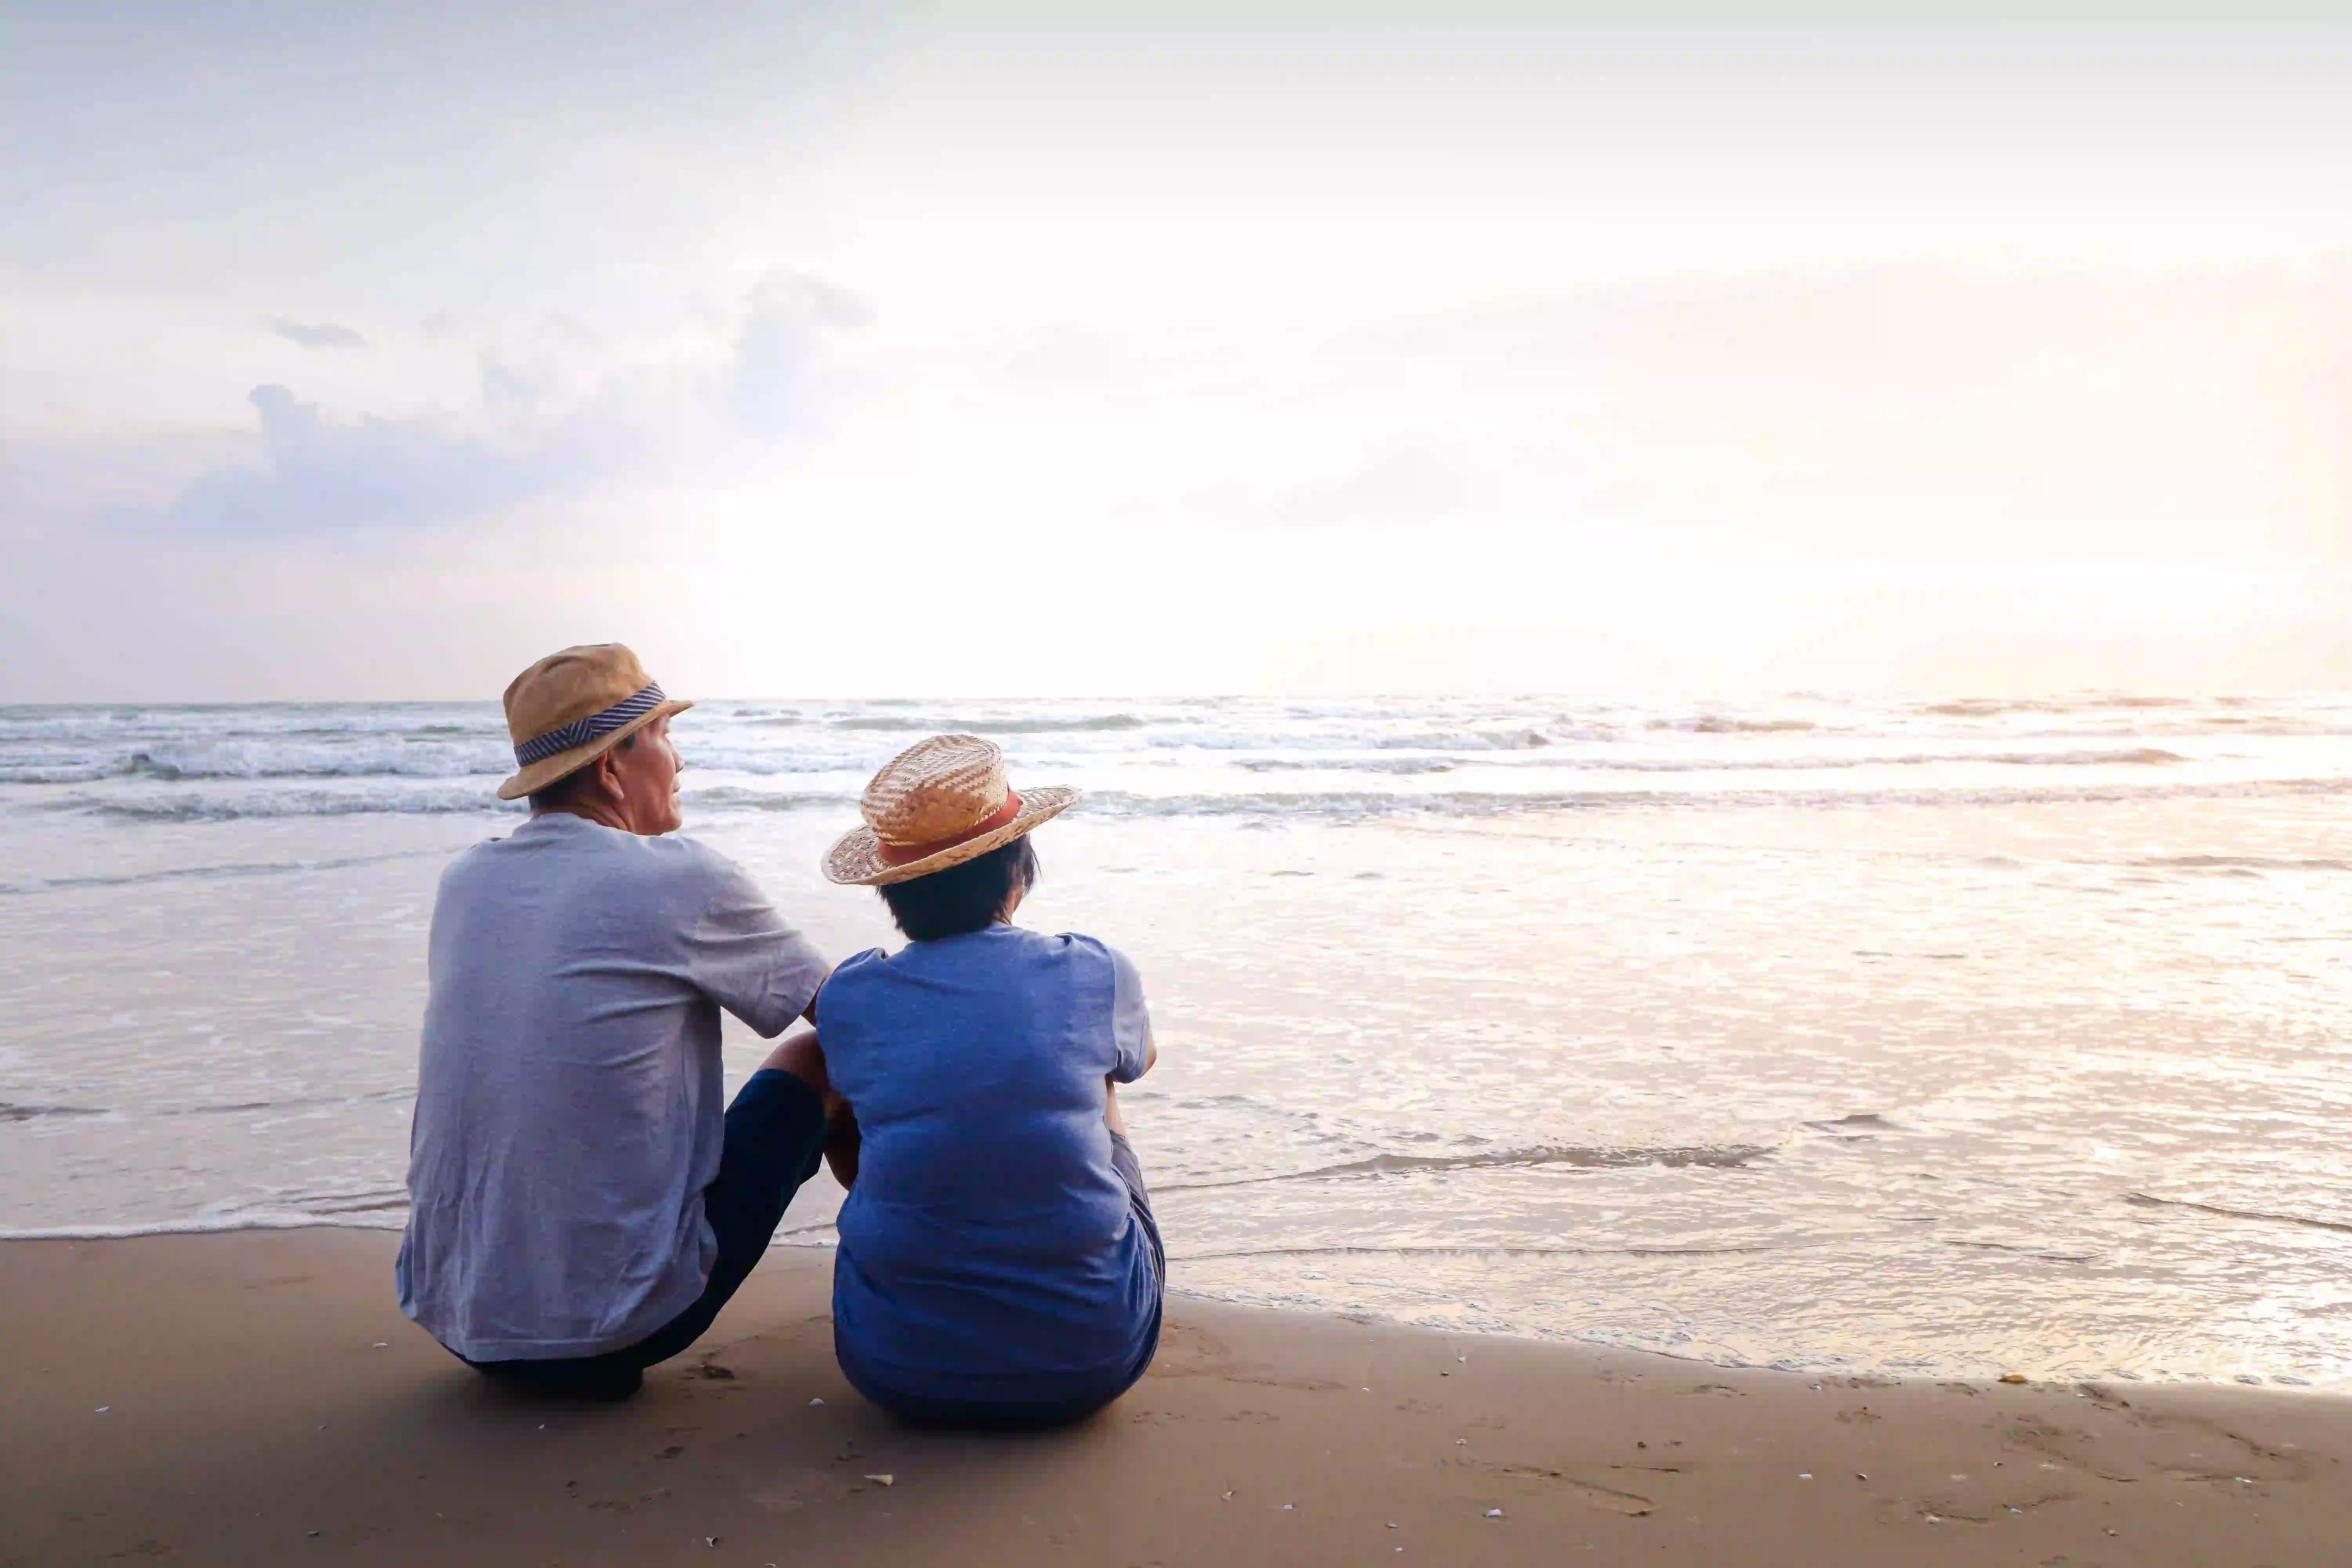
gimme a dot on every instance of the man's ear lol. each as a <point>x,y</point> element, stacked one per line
<point>606,781</point>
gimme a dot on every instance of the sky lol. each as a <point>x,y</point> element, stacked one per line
<point>357,351</point>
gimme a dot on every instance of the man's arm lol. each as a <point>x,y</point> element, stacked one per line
<point>740,953</point>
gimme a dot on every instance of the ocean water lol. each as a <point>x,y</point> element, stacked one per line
<point>1941,1038</point>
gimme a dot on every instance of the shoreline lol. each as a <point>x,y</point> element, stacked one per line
<point>256,1396</point>
<point>2283,1383</point>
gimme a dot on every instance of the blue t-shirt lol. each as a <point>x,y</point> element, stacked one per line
<point>988,1250</point>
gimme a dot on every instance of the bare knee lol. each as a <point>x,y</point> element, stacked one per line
<point>799,1055</point>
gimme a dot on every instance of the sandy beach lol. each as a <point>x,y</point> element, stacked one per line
<point>256,1397</point>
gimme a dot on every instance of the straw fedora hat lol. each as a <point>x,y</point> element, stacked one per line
<point>572,706</point>
<point>940,801</point>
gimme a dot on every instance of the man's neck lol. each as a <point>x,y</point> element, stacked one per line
<point>603,814</point>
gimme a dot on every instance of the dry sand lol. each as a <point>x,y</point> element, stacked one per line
<point>257,1398</point>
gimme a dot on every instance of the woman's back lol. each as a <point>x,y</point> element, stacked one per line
<point>992,1241</point>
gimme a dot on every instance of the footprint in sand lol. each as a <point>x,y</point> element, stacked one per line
<point>799,1489</point>
<point>1262,1378</point>
<point>1609,1499</point>
<point>1189,1353</point>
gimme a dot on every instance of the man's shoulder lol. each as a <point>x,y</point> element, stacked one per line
<point>559,840</point>
<point>675,855</point>
<point>470,865</point>
<point>664,881</point>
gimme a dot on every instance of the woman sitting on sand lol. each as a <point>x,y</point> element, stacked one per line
<point>998,1262</point>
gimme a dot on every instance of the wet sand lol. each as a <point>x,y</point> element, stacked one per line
<point>257,1398</point>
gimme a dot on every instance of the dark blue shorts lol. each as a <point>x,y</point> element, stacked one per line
<point>1065,1406</point>
<point>776,1141</point>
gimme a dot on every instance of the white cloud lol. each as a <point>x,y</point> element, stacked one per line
<point>558,414</point>
<point>320,476</point>
<point>776,381</point>
<point>318,335</point>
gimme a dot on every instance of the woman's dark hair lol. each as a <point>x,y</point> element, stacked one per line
<point>964,898</point>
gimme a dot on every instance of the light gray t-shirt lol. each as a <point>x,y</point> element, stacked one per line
<point>569,1099</point>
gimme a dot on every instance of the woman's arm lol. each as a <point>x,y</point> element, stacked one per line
<point>841,1141</point>
<point>1111,1118</point>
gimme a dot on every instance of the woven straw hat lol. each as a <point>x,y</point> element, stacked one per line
<point>939,803</point>
<point>572,706</point>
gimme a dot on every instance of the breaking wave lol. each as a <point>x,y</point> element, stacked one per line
<point>2137,756</point>
<point>1335,806</point>
<point>918,724</point>
<point>1207,757</point>
<point>1717,724</point>
<point>1592,1157</point>
<point>2146,1200</point>
<point>204,873</point>
<point>2091,702</point>
<point>303,803</point>
<point>37,1113</point>
<point>429,761</point>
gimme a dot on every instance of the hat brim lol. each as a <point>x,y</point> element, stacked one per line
<point>855,860</point>
<point>547,770</point>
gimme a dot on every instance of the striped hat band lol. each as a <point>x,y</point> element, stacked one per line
<point>580,732</point>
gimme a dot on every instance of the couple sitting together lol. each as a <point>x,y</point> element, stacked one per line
<point>580,1205</point>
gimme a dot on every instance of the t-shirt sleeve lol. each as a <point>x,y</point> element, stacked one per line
<point>1130,1021</point>
<point>742,954</point>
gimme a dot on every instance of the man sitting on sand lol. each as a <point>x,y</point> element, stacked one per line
<point>580,1208</point>
<point>998,1262</point>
